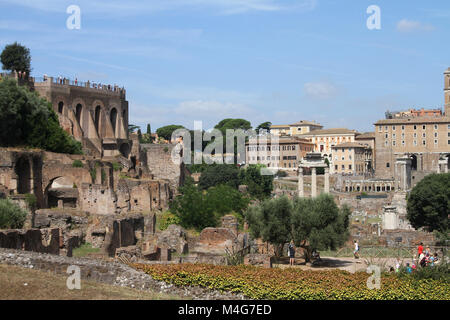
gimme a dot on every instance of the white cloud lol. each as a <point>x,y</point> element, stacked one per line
<point>406,25</point>
<point>320,90</point>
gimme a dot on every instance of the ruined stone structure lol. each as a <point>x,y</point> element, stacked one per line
<point>97,116</point>
<point>95,187</point>
<point>313,161</point>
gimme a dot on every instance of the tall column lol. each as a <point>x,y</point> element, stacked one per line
<point>327,180</point>
<point>301,193</point>
<point>313,183</point>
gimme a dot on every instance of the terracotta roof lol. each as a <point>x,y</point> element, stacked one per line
<point>329,132</point>
<point>414,120</point>
<point>350,145</point>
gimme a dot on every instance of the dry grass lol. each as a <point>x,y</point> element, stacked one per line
<point>17,283</point>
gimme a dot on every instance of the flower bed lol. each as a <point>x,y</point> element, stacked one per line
<point>289,284</point>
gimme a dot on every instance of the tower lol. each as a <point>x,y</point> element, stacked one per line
<point>447,92</point>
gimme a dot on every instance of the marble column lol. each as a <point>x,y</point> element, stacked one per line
<point>301,192</point>
<point>313,183</point>
<point>327,180</point>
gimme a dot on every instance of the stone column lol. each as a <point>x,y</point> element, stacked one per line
<point>327,180</point>
<point>301,193</point>
<point>313,183</point>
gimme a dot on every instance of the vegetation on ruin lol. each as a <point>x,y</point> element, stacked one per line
<point>31,200</point>
<point>313,223</point>
<point>429,205</point>
<point>165,219</point>
<point>11,215</point>
<point>77,164</point>
<point>31,121</point>
<point>117,166</point>
<point>293,284</point>
<point>84,250</point>
<point>16,57</point>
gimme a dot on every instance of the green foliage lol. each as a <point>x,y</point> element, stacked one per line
<point>429,203</point>
<point>149,130</point>
<point>264,126</point>
<point>11,215</point>
<point>77,164</point>
<point>93,173</point>
<point>259,186</point>
<point>233,124</point>
<point>166,219</point>
<point>166,132</point>
<point>84,250</point>
<point>199,209</point>
<point>440,271</point>
<point>281,174</point>
<point>192,209</point>
<point>31,200</point>
<point>117,166</point>
<point>166,149</point>
<point>312,223</point>
<point>16,57</point>
<point>132,128</point>
<point>103,173</point>
<point>31,121</point>
<point>219,174</point>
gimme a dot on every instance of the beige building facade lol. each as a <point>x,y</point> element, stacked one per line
<point>325,139</point>
<point>351,158</point>
<point>282,153</point>
<point>425,140</point>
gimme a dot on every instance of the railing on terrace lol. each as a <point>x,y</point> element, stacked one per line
<point>71,82</point>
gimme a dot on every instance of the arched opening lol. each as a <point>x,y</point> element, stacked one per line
<point>97,117</point>
<point>113,118</point>
<point>61,192</point>
<point>125,150</point>
<point>23,172</point>
<point>78,110</point>
<point>60,107</point>
<point>413,162</point>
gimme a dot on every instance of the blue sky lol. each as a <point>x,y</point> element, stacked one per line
<point>261,60</point>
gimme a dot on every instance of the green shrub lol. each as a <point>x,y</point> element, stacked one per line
<point>11,215</point>
<point>117,166</point>
<point>31,121</point>
<point>166,219</point>
<point>31,200</point>
<point>77,164</point>
<point>440,271</point>
<point>103,173</point>
<point>93,173</point>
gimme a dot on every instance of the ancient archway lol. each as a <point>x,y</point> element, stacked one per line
<point>113,118</point>
<point>413,162</point>
<point>78,111</point>
<point>60,107</point>
<point>125,150</point>
<point>61,192</point>
<point>97,118</point>
<point>23,172</point>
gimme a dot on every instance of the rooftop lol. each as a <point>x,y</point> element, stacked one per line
<point>417,120</point>
<point>366,135</point>
<point>329,132</point>
<point>349,145</point>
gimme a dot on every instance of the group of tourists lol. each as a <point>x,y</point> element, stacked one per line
<point>424,258</point>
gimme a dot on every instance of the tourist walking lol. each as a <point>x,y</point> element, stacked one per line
<point>291,252</point>
<point>356,251</point>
